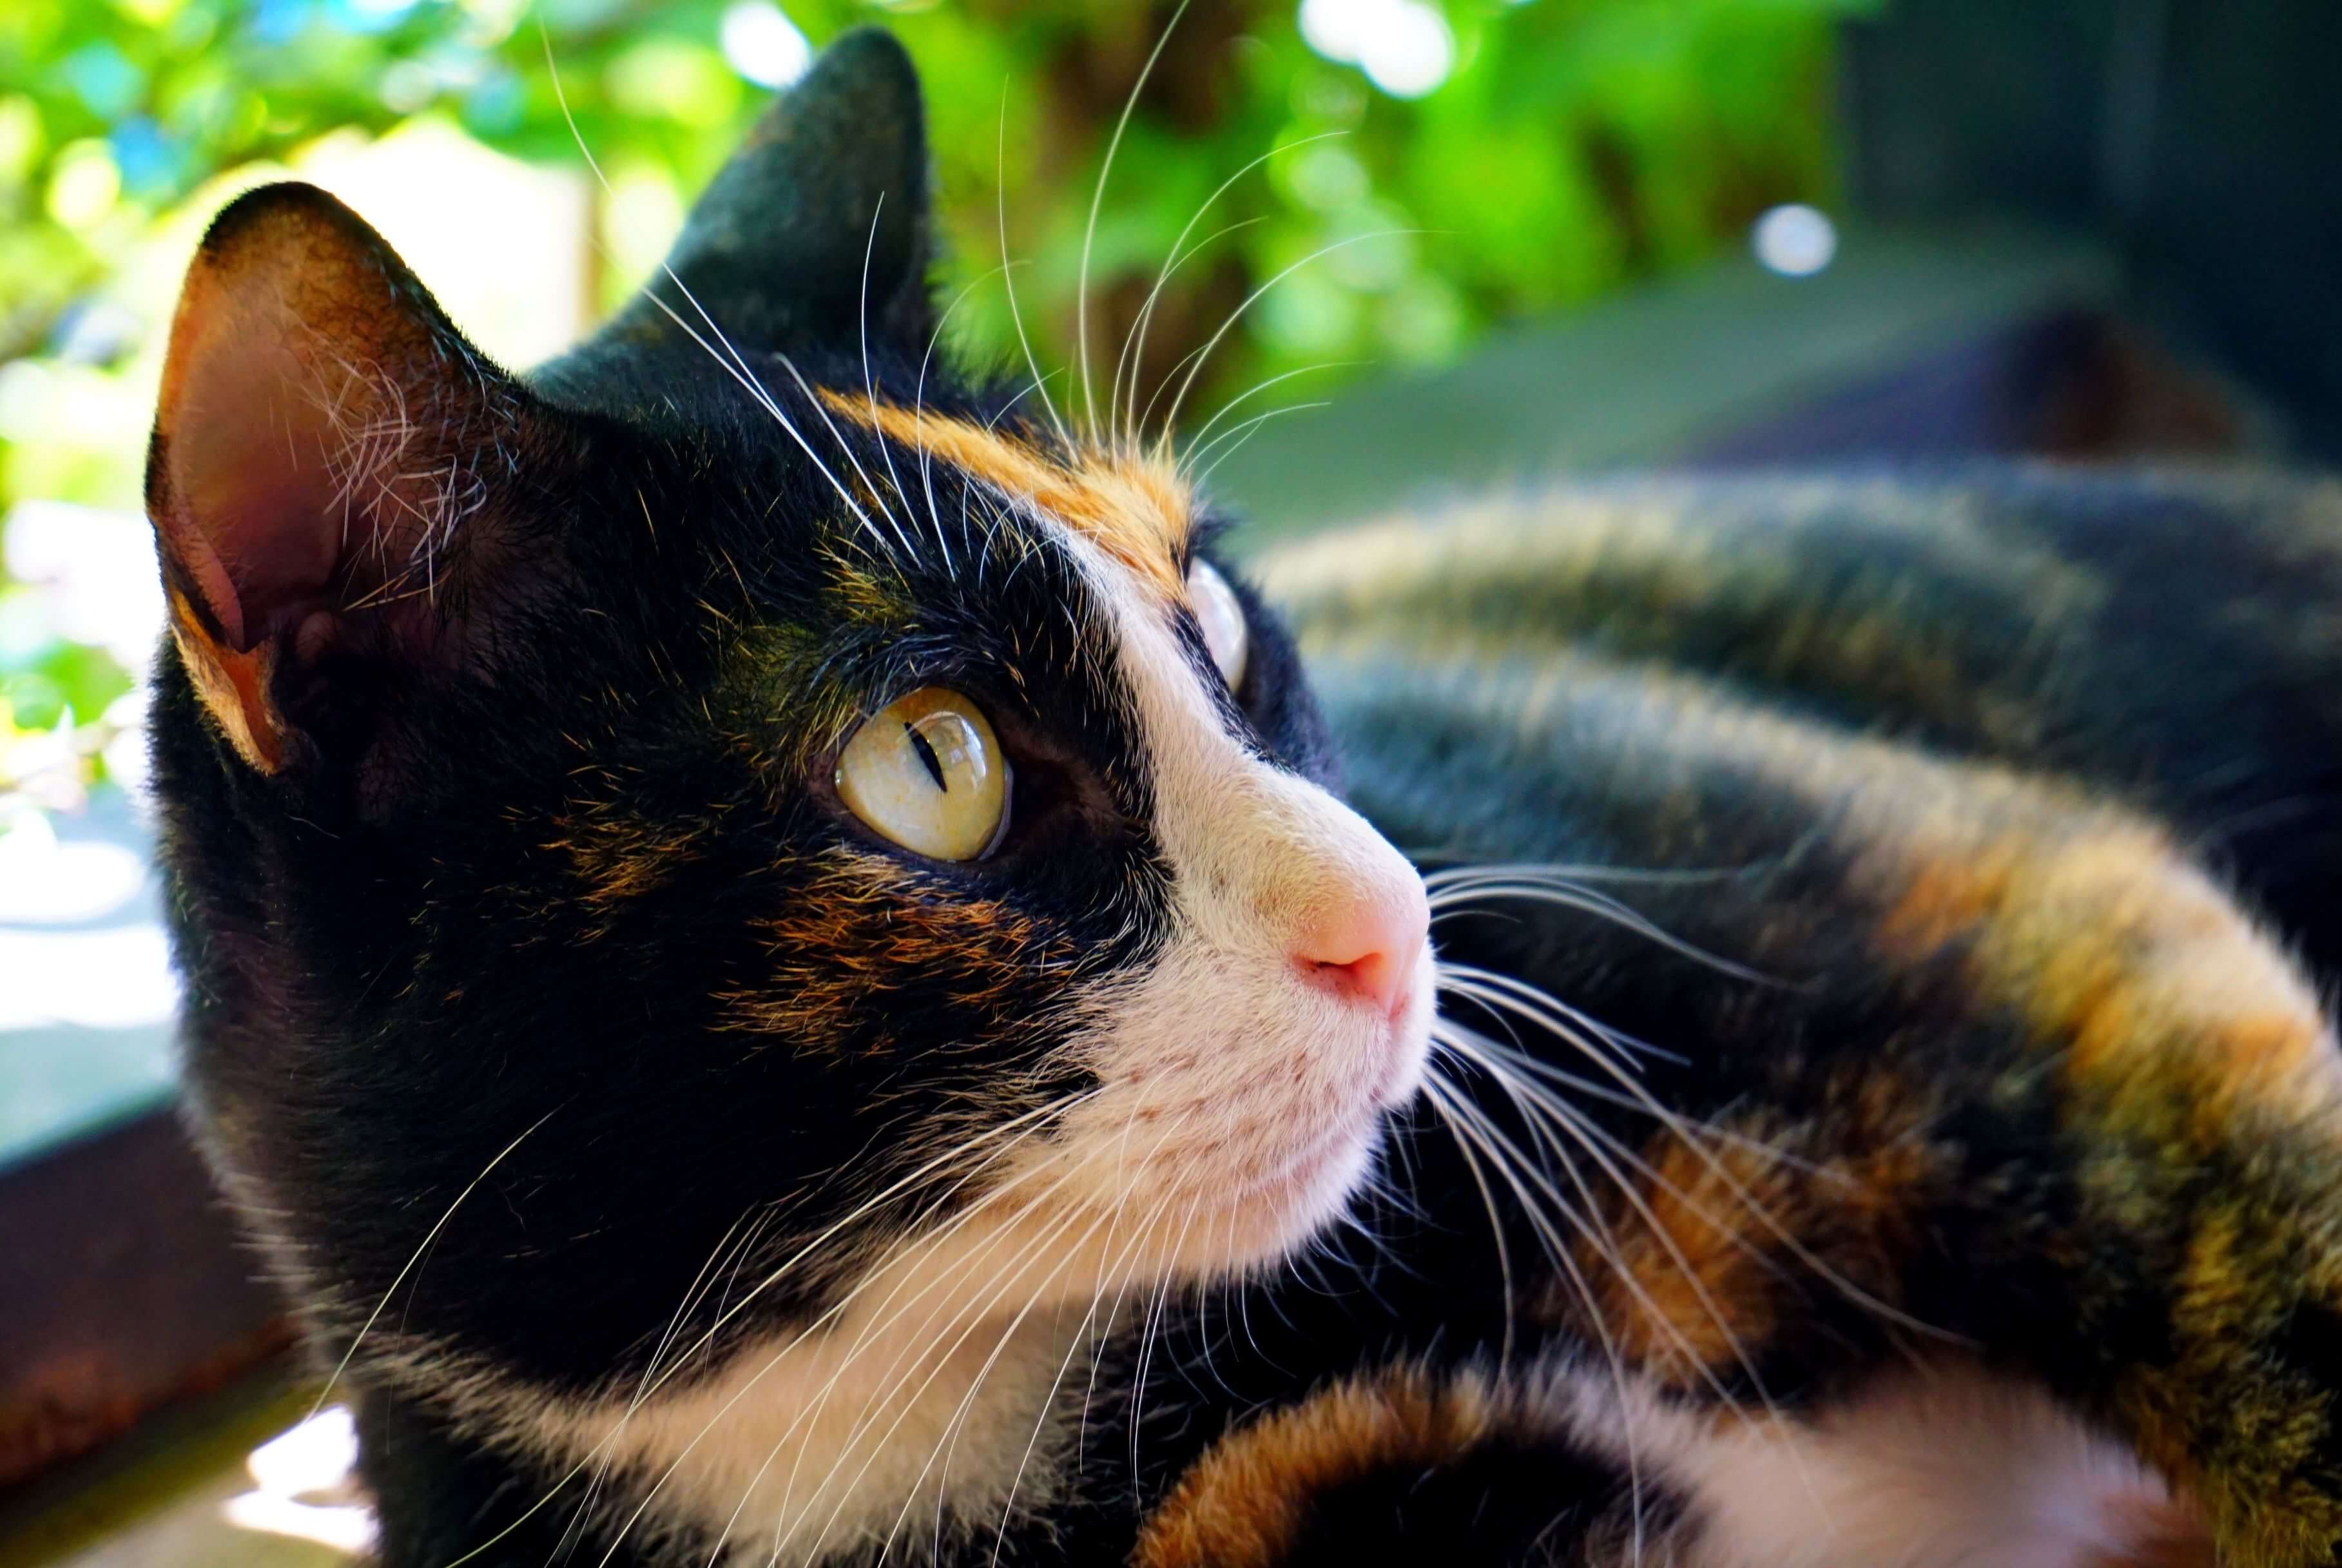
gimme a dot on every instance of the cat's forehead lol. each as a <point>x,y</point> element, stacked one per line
<point>936,543</point>
<point>1132,507</point>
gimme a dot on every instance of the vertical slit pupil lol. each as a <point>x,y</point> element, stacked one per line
<point>934,764</point>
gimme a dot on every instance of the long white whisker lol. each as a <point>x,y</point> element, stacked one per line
<point>1026,1120</point>
<point>736,367</point>
<point>1639,1096</point>
<point>869,391</point>
<point>831,1313</point>
<point>1241,432</point>
<point>412,1258</point>
<point>1203,356</point>
<point>1023,1120</point>
<point>1173,260</point>
<point>1200,443</point>
<point>1008,279</point>
<point>814,1406</point>
<point>1033,1296</point>
<point>1469,1126</point>
<point>1461,893</point>
<point>846,446</point>
<point>919,425</point>
<point>1090,231</point>
<point>1134,342</point>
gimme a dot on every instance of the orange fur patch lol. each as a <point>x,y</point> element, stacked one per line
<point>1136,509</point>
<point>619,859</point>
<point>1244,1504</point>
<point>1685,1283</point>
<point>2103,936</point>
<point>2158,1535</point>
<point>862,926</point>
<point>234,688</point>
<point>1682,1282</point>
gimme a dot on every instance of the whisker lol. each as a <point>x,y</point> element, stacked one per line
<point>1026,1120</point>
<point>1097,199</point>
<point>1504,995</point>
<point>1235,435</point>
<point>1577,873</point>
<point>869,391</point>
<point>737,366</point>
<point>847,447</point>
<point>415,1258</point>
<point>1173,260</point>
<point>1455,892</point>
<point>1638,1096</point>
<point>1008,279</point>
<point>1596,1233</point>
<point>1127,361</point>
<point>609,1440</point>
<point>874,1407</point>
<point>1437,1090</point>
<point>1536,1106</point>
<point>919,422</point>
<point>1032,1297</point>
<point>1204,354</point>
<point>830,1315</point>
<point>1468,1127</point>
<point>1199,444</point>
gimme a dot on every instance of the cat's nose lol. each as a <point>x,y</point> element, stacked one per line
<point>1367,946</point>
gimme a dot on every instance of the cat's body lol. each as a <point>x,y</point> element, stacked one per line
<point>1865,1128</point>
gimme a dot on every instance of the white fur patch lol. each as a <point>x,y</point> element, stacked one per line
<point>1256,1095</point>
<point>1947,1468</point>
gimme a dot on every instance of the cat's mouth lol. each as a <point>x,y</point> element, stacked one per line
<point>1322,1165</point>
<point>1243,1094</point>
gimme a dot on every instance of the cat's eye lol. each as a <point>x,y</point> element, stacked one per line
<point>1221,619</point>
<point>927,771</point>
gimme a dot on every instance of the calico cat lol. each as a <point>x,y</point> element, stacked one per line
<point>775,957</point>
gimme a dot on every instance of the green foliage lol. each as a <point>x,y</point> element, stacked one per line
<point>1576,145</point>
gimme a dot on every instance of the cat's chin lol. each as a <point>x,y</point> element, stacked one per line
<point>1268,1217</point>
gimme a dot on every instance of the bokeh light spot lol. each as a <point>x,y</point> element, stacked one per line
<point>1795,240</point>
<point>763,45</point>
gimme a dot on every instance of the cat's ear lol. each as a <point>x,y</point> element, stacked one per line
<point>326,447</point>
<point>824,208</point>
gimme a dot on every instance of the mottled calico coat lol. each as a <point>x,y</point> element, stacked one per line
<point>1865,1097</point>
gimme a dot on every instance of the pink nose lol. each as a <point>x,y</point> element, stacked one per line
<point>1367,946</point>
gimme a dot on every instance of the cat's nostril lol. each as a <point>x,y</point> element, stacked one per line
<point>1368,949</point>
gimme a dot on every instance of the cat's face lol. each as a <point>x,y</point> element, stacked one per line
<point>655,843</point>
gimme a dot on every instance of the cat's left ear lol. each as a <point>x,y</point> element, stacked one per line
<point>330,478</point>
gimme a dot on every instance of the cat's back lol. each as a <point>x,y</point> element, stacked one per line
<point>1537,674</point>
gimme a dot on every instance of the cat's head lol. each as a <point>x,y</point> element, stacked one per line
<point>734,805</point>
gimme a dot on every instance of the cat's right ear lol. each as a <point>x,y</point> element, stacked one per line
<point>817,233</point>
<point>327,469</point>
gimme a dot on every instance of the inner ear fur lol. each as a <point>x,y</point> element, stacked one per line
<point>326,453</point>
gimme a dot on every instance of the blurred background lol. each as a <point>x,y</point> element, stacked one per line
<point>1451,241</point>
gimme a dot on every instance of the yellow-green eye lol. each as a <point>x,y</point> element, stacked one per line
<point>1221,620</point>
<point>927,771</point>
